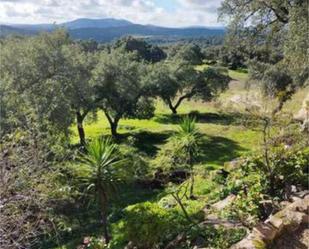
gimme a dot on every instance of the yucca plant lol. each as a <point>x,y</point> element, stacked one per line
<point>103,174</point>
<point>187,138</point>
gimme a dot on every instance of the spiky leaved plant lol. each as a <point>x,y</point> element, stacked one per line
<point>103,173</point>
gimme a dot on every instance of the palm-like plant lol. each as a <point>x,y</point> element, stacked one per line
<point>187,138</point>
<point>103,173</point>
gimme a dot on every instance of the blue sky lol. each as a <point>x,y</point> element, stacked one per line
<point>172,13</point>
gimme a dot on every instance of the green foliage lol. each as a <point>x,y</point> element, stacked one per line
<point>144,50</point>
<point>188,53</point>
<point>289,166</point>
<point>250,188</point>
<point>34,78</point>
<point>103,174</point>
<point>118,79</point>
<point>146,224</point>
<point>253,182</point>
<point>217,238</point>
<point>188,138</point>
<point>272,34</point>
<point>181,149</point>
<point>176,81</point>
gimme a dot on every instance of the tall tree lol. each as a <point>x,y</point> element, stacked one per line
<point>119,81</point>
<point>35,79</point>
<point>80,90</point>
<point>176,82</point>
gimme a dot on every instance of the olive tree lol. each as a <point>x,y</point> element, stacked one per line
<point>176,82</point>
<point>120,85</point>
<point>80,91</point>
<point>35,80</point>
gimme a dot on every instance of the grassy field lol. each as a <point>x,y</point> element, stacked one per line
<point>224,136</point>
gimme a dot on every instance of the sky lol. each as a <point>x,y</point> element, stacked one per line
<point>170,13</point>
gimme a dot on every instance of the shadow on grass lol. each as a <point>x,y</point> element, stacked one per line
<point>218,150</point>
<point>147,142</point>
<point>209,117</point>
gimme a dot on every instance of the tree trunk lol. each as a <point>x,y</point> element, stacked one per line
<point>179,101</point>
<point>170,105</point>
<point>191,195</point>
<point>103,203</point>
<point>113,123</point>
<point>114,126</point>
<point>105,229</point>
<point>81,132</point>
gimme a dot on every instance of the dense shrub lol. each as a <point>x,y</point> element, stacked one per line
<point>254,185</point>
<point>147,224</point>
<point>249,188</point>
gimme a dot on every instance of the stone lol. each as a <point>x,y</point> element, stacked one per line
<point>247,243</point>
<point>275,222</point>
<point>220,205</point>
<point>277,227</point>
<point>292,220</point>
<point>302,194</point>
<point>265,231</point>
<point>285,204</point>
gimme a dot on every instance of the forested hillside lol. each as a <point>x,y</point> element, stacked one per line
<point>107,30</point>
<point>142,145</point>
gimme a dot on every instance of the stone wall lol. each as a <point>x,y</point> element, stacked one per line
<point>292,219</point>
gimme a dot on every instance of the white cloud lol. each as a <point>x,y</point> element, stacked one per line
<point>185,13</point>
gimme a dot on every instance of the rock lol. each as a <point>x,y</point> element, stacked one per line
<point>224,203</point>
<point>249,243</point>
<point>86,240</point>
<point>301,205</point>
<point>301,194</point>
<point>234,164</point>
<point>284,223</point>
<point>275,222</point>
<point>265,231</point>
<point>284,204</point>
<point>292,220</point>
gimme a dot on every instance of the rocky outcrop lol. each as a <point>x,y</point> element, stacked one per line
<point>292,220</point>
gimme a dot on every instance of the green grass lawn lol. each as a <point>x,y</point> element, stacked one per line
<point>224,138</point>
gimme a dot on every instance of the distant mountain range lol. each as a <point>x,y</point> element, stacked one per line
<point>106,30</point>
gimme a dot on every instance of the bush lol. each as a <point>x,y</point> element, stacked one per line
<point>249,187</point>
<point>147,224</point>
<point>170,157</point>
<point>253,184</point>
